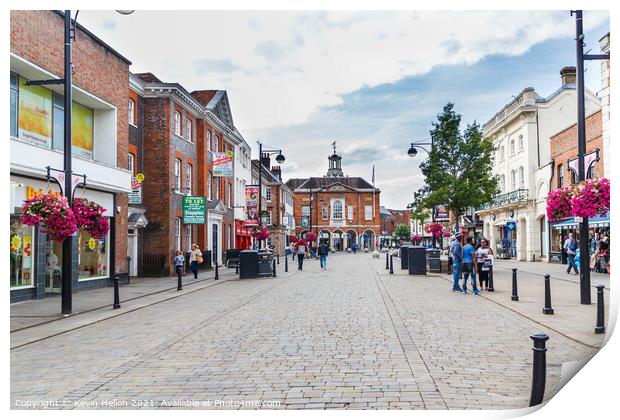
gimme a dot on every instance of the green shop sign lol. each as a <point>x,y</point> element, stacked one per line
<point>194,210</point>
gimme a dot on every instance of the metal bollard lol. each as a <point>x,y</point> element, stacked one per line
<point>387,263</point>
<point>391,264</point>
<point>450,265</point>
<point>515,294</point>
<point>179,279</point>
<point>217,272</point>
<point>539,373</point>
<point>600,310</point>
<point>278,258</point>
<point>286,263</point>
<point>273,268</point>
<point>491,288</point>
<point>548,310</point>
<point>117,301</point>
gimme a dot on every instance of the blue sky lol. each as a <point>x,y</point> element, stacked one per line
<point>372,81</point>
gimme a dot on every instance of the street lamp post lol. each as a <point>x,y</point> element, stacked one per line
<point>280,159</point>
<point>584,249</point>
<point>412,152</point>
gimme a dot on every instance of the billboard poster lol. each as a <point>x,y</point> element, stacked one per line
<point>441,213</point>
<point>82,131</point>
<point>223,164</point>
<point>35,114</point>
<point>135,196</point>
<point>251,202</point>
<point>194,210</point>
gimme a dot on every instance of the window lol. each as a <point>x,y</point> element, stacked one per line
<point>350,211</point>
<point>208,140</point>
<point>512,147</point>
<point>188,245</point>
<point>513,180</point>
<point>216,144</point>
<point>22,253</point>
<point>14,101</point>
<point>305,216</point>
<point>209,182</point>
<point>324,214</point>
<point>228,194</point>
<point>177,123</point>
<point>216,189</point>
<point>188,130</point>
<point>560,175</point>
<point>573,176</point>
<point>268,219</point>
<point>268,193</point>
<point>131,163</point>
<point>521,177</point>
<point>305,210</point>
<point>502,183</point>
<point>58,122</point>
<point>502,153</point>
<point>368,212</point>
<point>93,256</point>
<point>337,210</point>
<point>132,112</point>
<point>177,233</point>
<point>521,145</point>
<point>188,180</point>
<point>177,176</point>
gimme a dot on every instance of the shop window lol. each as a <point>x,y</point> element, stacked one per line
<point>93,256</point>
<point>22,253</point>
<point>177,123</point>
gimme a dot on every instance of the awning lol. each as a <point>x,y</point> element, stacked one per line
<point>137,220</point>
<point>597,221</point>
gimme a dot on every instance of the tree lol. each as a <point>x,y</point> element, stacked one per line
<point>458,169</point>
<point>402,231</point>
<point>417,210</point>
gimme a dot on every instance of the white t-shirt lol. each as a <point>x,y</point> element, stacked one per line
<point>567,246</point>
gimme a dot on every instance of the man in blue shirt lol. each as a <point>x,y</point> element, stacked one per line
<point>456,251</point>
<point>469,265</point>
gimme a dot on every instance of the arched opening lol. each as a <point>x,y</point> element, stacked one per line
<point>350,238</point>
<point>324,237</point>
<point>368,240</point>
<point>337,244</point>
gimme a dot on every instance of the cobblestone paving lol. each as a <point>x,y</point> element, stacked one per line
<point>342,338</point>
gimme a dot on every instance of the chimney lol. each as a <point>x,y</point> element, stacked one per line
<point>266,160</point>
<point>569,75</point>
<point>276,170</point>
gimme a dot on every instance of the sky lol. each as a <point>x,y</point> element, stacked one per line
<point>371,81</point>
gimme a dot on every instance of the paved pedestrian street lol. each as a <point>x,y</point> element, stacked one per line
<point>349,337</point>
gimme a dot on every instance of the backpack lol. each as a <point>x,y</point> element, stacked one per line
<point>572,245</point>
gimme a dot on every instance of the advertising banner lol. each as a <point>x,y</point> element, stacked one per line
<point>441,213</point>
<point>223,164</point>
<point>35,114</point>
<point>194,210</point>
<point>135,196</point>
<point>82,131</point>
<point>251,202</point>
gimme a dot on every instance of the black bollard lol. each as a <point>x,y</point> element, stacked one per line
<point>273,268</point>
<point>391,264</point>
<point>286,263</point>
<point>491,288</point>
<point>387,263</point>
<point>515,294</point>
<point>600,310</point>
<point>450,265</point>
<point>179,279</point>
<point>548,310</point>
<point>217,272</point>
<point>278,258</point>
<point>117,301</point>
<point>539,373</point>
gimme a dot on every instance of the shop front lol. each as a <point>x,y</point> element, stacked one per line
<point>506,239</point>
<point>243,235</point>
<point>560,230</point>
<point>36,261</point>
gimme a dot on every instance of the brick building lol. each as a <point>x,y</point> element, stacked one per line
<point>341,210</point>
<point>100,90</point>
<point>390,219</point>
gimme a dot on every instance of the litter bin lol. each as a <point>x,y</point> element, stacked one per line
<point>248,264</point>
<point>417,260</point>
<point>404,259</point>
<point>265,259</point>
<point>432,260</point>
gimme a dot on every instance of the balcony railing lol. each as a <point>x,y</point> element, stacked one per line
<point>516,196</point>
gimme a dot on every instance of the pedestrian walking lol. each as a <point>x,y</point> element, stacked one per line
<point>354,247</point>
<point>469,265</point>
<point>195,259</point>
<point>301,253</point>
<point>456,251</point>
<point>484,261</point>
<point>570,245</point>
<point>323,252</point>
<point>179,262</point>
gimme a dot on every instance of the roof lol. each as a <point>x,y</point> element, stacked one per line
<point>293,183</point>
<point>319,182</point>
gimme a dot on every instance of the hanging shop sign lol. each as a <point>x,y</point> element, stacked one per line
<point>251,203</point>
<point>511,225</point>
<point>223,164</point>
<point>441,213</point>
<point>135,196</point>
<point>194,210</point>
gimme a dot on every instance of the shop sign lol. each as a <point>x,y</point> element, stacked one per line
<point>251,203</point>
<point>305,221</point>
<point>194,210</point>
<point>441,213</point>
<point>223,164</point>
<point>511,225</point>
<point>135,196</point>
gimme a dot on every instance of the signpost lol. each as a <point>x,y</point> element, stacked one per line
<point>441,214</point>
<point>194,210</point>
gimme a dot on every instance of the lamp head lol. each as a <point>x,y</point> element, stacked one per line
<point>412,151</point>
<point>125,12</point>
<point>280,158</point>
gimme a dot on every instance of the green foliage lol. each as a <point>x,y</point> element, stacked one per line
<point>402,231</point>
<point>458,170</point>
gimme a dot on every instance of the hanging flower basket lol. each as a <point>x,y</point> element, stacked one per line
<point>293,239</point>
<point>52,213</point>
<point>559,203</point>
<point>446,234</point>
<point>261,233</point>
<point>591,198</point>
<point>311,237</point>
<point>416,238</point>
<point>89,217</point>
<point>435,229</point>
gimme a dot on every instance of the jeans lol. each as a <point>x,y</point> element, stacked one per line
<point>300,261</point>
<point>571,263</point>
<point>456,273</point>
<point>469,270</point>
<point>194,267</point>
<point>323,261</point>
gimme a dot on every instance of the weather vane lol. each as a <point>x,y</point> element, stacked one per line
<point>334,146</point>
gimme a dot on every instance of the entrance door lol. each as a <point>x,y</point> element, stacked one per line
<point>214,241</point>
<point>53,267</point>
<point>132,251</point>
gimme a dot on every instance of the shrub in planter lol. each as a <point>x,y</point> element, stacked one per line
<point>53,213</point>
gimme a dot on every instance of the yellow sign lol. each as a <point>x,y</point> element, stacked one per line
<point>32,192</point>
<point>92,243</point>
<point>82,130</point>
<point>229,153</point>
<point>16,242</point>
<point>35,114</point>
<point>140,177</point>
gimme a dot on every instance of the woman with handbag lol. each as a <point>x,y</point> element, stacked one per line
<point>195,258</point>
<point>484,256</point>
